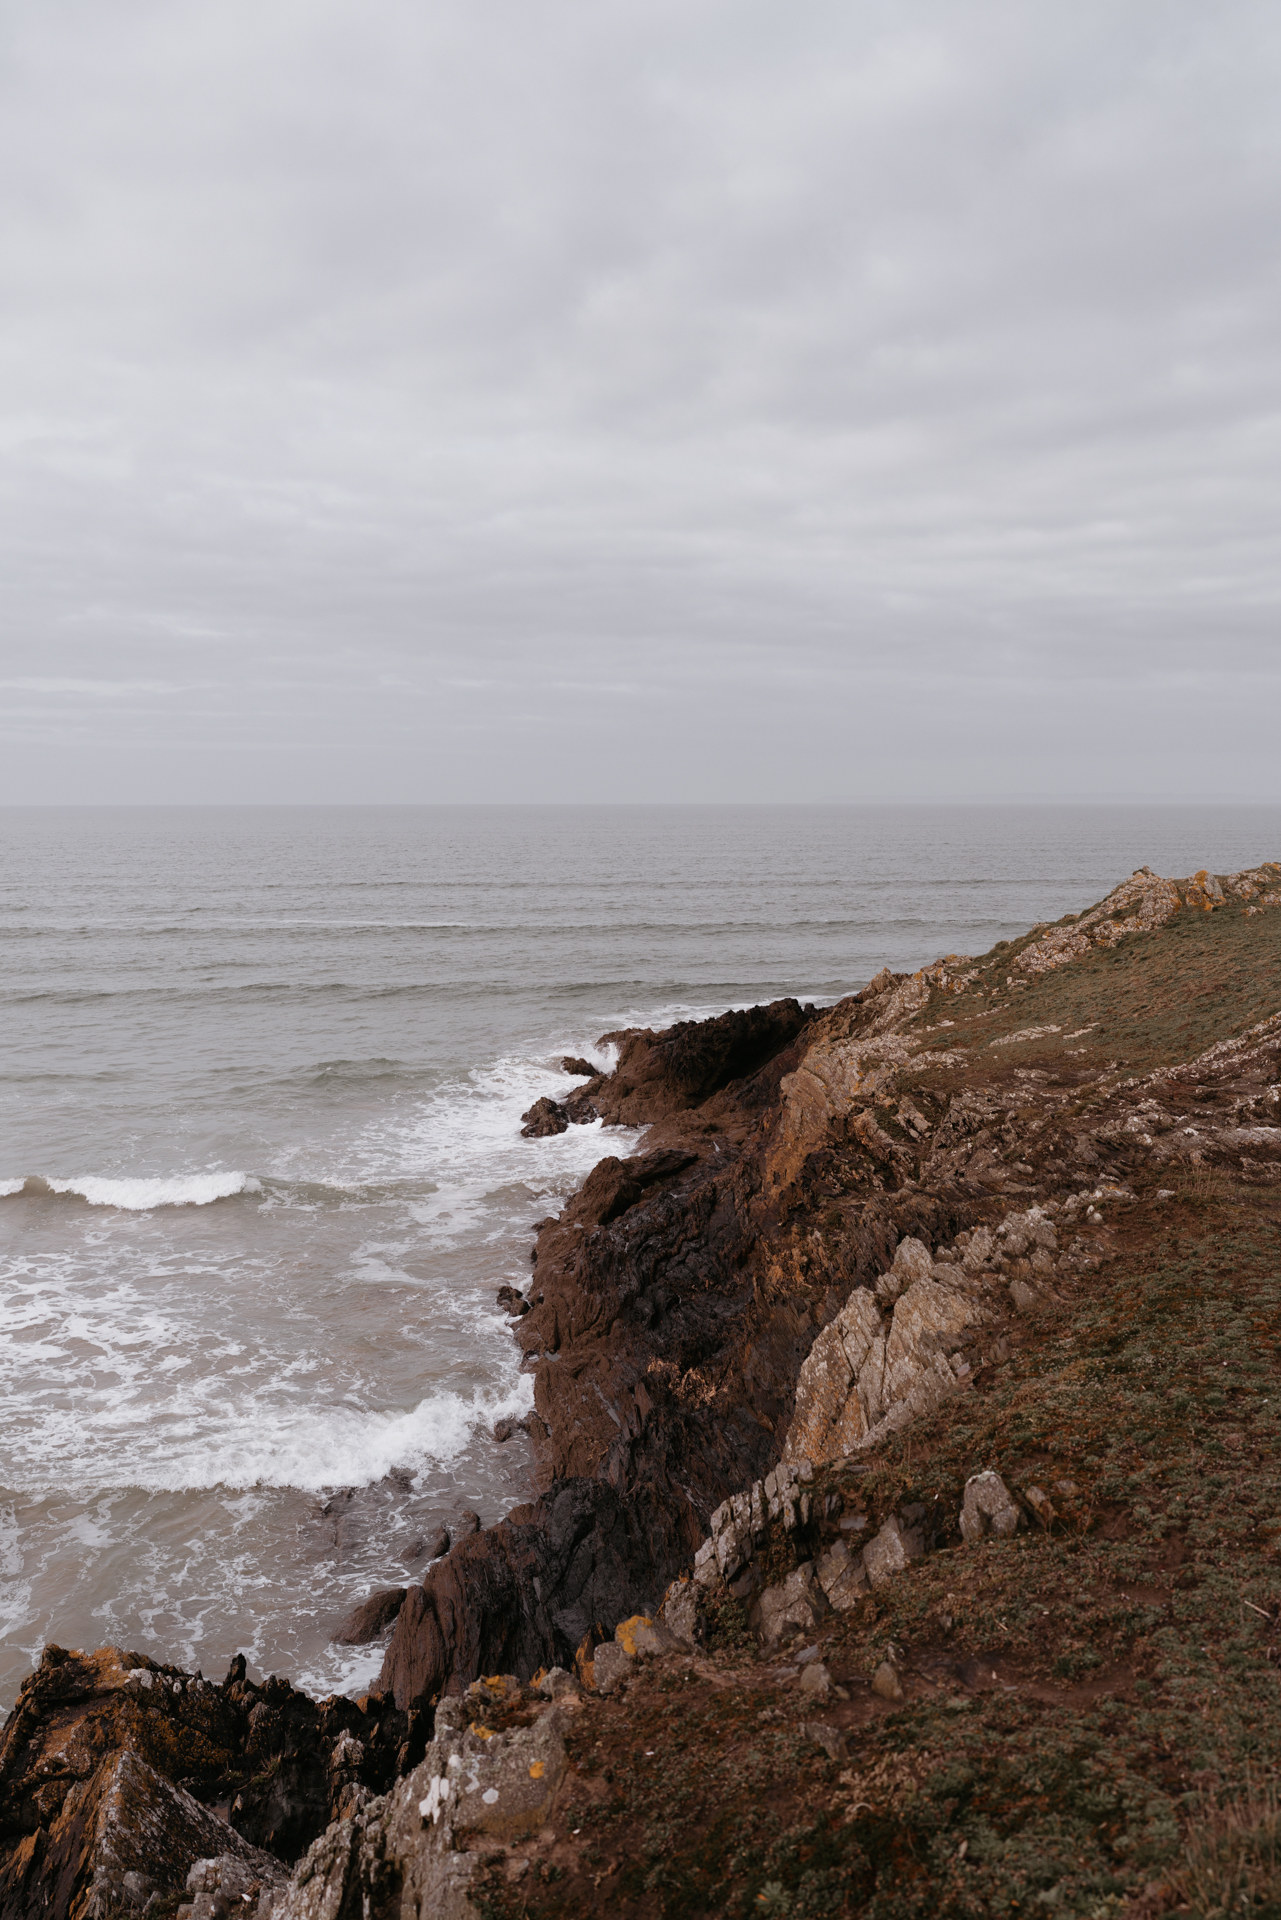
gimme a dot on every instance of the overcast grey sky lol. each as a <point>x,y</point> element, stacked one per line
<point>639,399</point>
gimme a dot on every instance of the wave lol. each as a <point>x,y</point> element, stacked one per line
<point>139,1195</point>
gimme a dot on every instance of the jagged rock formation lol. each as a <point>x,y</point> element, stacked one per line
<point>734,1294</point>
<point>837,1220</point>
<point>117,1774</point>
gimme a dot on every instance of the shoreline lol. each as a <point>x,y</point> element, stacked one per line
<point>695,1312</point>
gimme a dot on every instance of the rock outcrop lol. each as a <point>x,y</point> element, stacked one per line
<point>117,1775</point>
<point>836,1221</point>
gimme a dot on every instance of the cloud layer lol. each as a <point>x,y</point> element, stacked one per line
<point>638,401</point>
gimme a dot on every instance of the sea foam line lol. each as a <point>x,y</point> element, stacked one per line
<point>139,1195</point>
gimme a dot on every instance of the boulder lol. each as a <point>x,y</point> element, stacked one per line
<point>841,1575</point>
<point>611,1663</point>
<point>795,1605</point>
<point>544,1118</point>
<point>833,1742</point>
<point>988,1507</point>
<point>891,1551</point>
<point>886,1683</point>
<point>581,1069</point>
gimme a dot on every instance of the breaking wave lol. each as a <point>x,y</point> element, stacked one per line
<point>139,1195</point>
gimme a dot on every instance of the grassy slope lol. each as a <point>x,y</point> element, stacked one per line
<point>1093,1714</point>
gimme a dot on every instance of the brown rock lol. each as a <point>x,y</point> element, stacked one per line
<point>365,1622</point>
<point>545,1117</point>
<point>124,1833</point>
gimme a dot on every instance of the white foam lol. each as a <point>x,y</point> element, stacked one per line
<point>8,1187</point>
<point>312,1448</point>
<point>142,1196</point>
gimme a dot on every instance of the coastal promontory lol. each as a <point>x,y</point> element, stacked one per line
<point>906,1528</point>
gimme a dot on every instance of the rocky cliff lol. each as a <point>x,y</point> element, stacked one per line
<point>825,1369</point>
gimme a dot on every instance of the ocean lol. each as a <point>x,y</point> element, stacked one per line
<point>261,1171</point>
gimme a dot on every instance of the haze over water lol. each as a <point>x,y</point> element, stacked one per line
<point>261,1172</point>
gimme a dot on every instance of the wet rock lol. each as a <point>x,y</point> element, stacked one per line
<point>514,1303</point>
<point>523,1594</point>
<point>429,1546</point>
<point>466,1523</point>
<point>503,1431</point>
<point>365,1622</point>
<point>886,1683</point>
<point>580,1068</point>
<point>544,1118</point>
<point>988,1508</point>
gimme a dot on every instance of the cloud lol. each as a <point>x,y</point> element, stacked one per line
<point>695,401</point>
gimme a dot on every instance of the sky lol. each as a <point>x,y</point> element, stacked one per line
<point>639,400</point>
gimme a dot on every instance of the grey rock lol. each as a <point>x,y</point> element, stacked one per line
<point>679,1610</point>
<point>816,1680</point>
<point>988,1508</point>
<point>611,1663</point>
<point>841,1575</point>
<point>416,1850</point>
<point>794,1606</point>
<point>891,1551</point>
<point>228,1884</point>
<point>556,1683</point>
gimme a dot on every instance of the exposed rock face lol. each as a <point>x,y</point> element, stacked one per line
<point>417,1851</point>
<point>545,1117</point>
<point>866,1375</point>
<point>111,1766</point>
<point>803,1258</point>
<point>522,1596</point>
<point>120,1836</point>
<point>1144,903</point>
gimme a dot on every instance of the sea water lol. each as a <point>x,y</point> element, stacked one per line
<point>261,1171</point>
